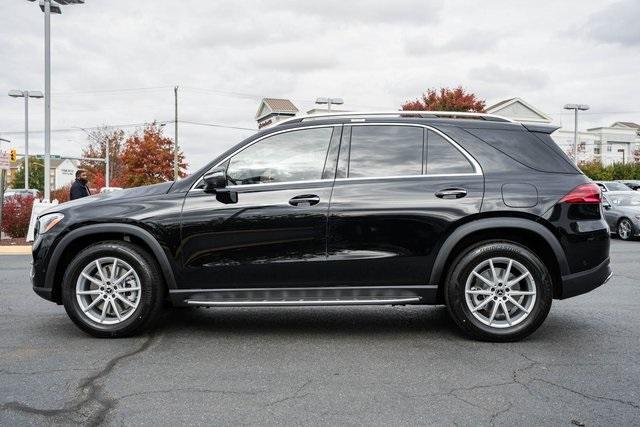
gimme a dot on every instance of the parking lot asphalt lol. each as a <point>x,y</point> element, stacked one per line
<point>323,366</point>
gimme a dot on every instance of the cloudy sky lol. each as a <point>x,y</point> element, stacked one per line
<point>115,62</point>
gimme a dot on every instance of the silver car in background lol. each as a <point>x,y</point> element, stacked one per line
<point>622,212</point>
<point>607,186</point>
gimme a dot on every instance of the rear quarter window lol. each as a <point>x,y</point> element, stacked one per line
<point>538,152</point>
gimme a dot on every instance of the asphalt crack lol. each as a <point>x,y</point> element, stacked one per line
<point>90,407</point>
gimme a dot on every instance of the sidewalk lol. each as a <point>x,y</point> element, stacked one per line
<point>15,250</point>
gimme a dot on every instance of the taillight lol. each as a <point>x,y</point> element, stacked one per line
<point>585,193</point>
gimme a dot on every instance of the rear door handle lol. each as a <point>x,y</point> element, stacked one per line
<point>451,193</point>
<point>305,200</point>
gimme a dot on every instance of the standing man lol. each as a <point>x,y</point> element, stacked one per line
<point>79,187</point>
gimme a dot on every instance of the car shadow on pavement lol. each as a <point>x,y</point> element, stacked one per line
<point>309,320</point>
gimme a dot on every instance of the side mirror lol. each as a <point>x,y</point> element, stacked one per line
<point>215,180</point>
<point>606,205</point>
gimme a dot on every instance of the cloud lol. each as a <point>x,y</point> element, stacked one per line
<point>513,78</point>
<point>474,40</point>
<point>367,11</point>
<point>618,23</point>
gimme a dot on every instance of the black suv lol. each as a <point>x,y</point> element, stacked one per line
<point>477,212</point>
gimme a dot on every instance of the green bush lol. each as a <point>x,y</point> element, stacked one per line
<point>596,171</point>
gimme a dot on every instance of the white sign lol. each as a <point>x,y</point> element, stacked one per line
<point>4,160</point>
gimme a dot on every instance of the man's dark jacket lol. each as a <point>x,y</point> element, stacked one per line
<point>79,190</point>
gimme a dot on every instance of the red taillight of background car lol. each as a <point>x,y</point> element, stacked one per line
<point>586,193</point>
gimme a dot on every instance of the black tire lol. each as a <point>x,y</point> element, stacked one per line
<point>463,267</point>
<point>629,224</point>
<point>152,291</point>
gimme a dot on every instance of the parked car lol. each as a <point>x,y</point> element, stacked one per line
<point>634,185</point>
<point>622,212</point>
<point>12,192</point>
<point>612,186</point>
<point>474,211</point>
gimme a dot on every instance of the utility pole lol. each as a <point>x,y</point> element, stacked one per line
<point>175,140</point>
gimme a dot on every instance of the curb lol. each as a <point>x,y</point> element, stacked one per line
<point>15,250</point>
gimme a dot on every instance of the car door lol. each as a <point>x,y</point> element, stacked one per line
<point>274,235</point>
<point>398,190</point>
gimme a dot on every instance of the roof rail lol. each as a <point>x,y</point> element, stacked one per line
<point>421,114</point>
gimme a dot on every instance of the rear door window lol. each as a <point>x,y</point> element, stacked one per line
<point>382,151</point>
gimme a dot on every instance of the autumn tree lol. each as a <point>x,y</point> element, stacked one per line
<point>99,139</point>
<point>446,99</point>
<point>148,158</point>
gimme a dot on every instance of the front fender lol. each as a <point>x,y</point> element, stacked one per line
<point>126,229</point>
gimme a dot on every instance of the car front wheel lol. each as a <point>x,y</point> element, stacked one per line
<point>113,289</point>
<point>498,291</point>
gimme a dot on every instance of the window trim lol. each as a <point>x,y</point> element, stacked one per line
<point>473,161</point>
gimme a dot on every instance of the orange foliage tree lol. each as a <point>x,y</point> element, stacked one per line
<point>99,139</point>
<point>148,158</point>
<point>446,99</point>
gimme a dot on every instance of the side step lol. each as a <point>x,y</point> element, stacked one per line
<point>304,302</point>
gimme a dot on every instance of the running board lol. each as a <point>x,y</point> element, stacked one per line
<point>304,302</point>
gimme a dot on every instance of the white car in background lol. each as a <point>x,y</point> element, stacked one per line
<point>109,189</point>
<point>12,192</point>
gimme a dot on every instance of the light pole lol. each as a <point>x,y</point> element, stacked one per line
<point>48,7</point>
<point>175,140</point>
<point>330,101</point>
<point>26,95</point>
<point>575,108</point>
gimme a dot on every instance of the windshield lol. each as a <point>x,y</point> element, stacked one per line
<point>625,200</point>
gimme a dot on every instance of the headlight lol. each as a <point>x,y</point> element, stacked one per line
<point>48,221</point>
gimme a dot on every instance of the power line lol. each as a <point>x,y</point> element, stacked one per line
<point>216,125</point>
<point>129,125</point>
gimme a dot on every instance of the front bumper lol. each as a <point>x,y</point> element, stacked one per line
<point>585,281</point>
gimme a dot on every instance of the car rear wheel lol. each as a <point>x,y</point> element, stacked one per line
<point>625,229</point>
<point>498,291</point>
<point>113,289</point>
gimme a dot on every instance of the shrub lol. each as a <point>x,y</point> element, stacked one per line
<point>16,214</point>
<point>61,194</point>
<point>596,171</point>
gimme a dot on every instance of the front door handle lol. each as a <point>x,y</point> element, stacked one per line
<point>305,200</point>
<point>451,193</point>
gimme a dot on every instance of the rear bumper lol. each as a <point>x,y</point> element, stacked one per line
<point>585,281</point>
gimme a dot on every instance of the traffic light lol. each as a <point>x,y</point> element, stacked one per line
<point>13,155</point>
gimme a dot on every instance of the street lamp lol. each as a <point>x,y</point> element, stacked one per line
<point>575,108</point>
<point>49,6</point>
<point>26,95</point>
<point>330,102</point>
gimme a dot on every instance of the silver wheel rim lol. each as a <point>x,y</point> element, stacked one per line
<point>500,292</point>
<point>624,229</point>
<point>108,290</point>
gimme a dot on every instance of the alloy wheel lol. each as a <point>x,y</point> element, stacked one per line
<point>500,292</point>
<point>624,229</point>
<point>108,290</point>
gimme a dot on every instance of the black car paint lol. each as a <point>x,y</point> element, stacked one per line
<point>349,239</point>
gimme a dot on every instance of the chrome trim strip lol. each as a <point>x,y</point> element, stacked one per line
<point>474,163</point>
<point>312,288</point>
<point>303,302</point>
